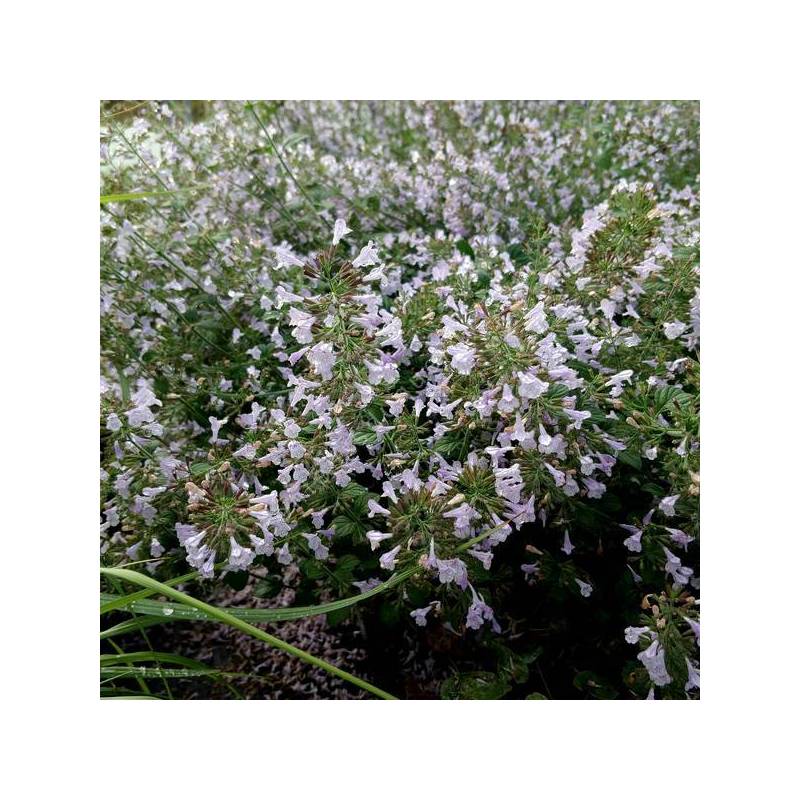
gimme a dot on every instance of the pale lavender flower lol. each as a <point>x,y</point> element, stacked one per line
<point>239,557</point>
<point>419,615</point>
<point>316,546</point>
<point>577,417</point>
<point>376,537</point>
<point>693,675</point>
<point>634,541</point>
<point>282,296</point>
<point>484,556</point>
<point>694,625</point>
<point>530,386</point>
<point>536,320</point>
<point>286,258</point>
<point>617,381</point>
<point>633,635</point>
<point>463,358</point>
<point>667,505</point>
<point>679,537</point>
<point>366,393</point>
<point>452,570</point>
<point>216,424</point>
<point>367,257</point>
<point>376,508</point>
<point>340,230</point>
<point>653,660</point>
<point>322,357</point>
<point>479,612</point>
<point>388,560</point>
<point>462,517</point>
<point>672,330</point>
<point>247,452</point>
<point>508,402</point>
<point>673,567</point>
<point>508,483</point>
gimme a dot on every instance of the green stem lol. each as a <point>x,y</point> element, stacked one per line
<point>223,616</point>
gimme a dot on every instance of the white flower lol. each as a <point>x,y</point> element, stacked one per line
<point>340,229</point>
<point>618,380</point>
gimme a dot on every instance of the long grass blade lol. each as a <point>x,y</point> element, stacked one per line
<point>225,617</point>
<point>175,611</point>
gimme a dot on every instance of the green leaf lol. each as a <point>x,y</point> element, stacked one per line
<point>293,139</point>
<point>365,436</point>
<point>389,614</point>
<point>465,248</point>
<point>127,197</point>
<point>345,526</point>
<point>475,686</point>
<point>630,457</point>
<point>338,616</point>
<point>268,587</point>
<point>594,686</point>
<point>149,655</point>
<point>237,580</point>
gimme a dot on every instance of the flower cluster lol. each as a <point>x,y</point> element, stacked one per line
<point>451,344</point>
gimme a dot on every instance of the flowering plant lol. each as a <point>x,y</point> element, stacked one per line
<point>433,367</point>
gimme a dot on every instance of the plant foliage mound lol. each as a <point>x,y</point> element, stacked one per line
<point>433,365</point>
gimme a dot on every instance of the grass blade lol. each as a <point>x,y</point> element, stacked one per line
<point>225,617</point>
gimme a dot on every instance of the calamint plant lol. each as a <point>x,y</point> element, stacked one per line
<point>432,369</point>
